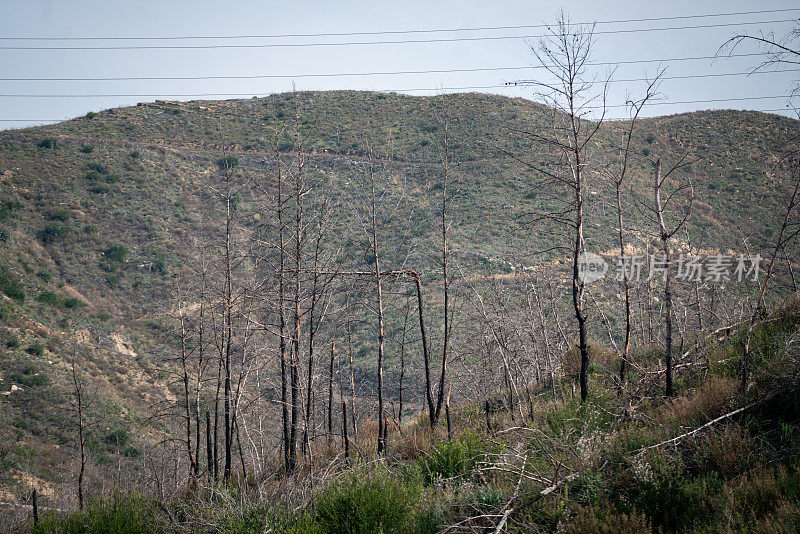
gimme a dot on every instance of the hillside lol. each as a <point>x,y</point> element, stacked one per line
<point>105,216</point>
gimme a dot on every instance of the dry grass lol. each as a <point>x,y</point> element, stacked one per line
<point>711,398</point>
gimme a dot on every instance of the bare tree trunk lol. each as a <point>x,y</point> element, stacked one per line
<point>564,53</point>
<point>298,263</point>
<point>447,413</point>
<point>352,366</point>
<point>78,391</point>
<point>200,368</point>
<point>425,351</point>
<point>577,286</point>
<point>402,367</point>
<point>627,291</point>
<point>228,327</point>
<point>209,448</point>
<point>665,235</point>
<point>446,292</point>
<point>282,311</point>
<point>308,427</point>
<point>345,436</point>
<point>618,181</point>
<point>187,404</point>
<point>216,419</point>
<point>379,311</point>
<point>330,392</point>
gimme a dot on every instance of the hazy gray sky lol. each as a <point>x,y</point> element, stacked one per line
<point>160,18</point>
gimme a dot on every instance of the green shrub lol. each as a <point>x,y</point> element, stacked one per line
<point>373,502</point>
<point>90,229</point>
<point>113,280</point>
<point>47,142</point>
<point>99,189</point>
<point>675,502</point>
<point>91,115</point>
<point>35,350</point>
<point>117,438</point>
<point>11,287</point>
<point>116,253</point>
<point>450,459</point>
<point>123,514</point>
<point>588,488</point>
<point>53,232</point>
<point>228,162</point>
<point>131,452</point>
<point>25,266</point>
<point>93,177</point>
<point>45,276</point>
<point>11,206</point>
<point>602,520</point>
<point>28,377</point>
<point>98,168</point>
<point>72,303</point>
<point>136,154</point>
<point>87,149</point>
<point>12,342</point>
<point>61,215</point>
<point>48,297</point>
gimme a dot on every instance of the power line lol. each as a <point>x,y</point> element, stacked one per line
<point>708,101</point>
<point>527,83</point>
<point>355,43</point>
<point>396,32</point>
<point>352,74</point>
<point>524,83</point>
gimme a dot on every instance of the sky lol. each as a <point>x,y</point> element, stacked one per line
<point>26,102</point>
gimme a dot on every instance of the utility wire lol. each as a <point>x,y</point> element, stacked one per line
<point>395,32</point>
<point>524,83</point>
<point>528,83</point>
<point>373,73</point>
<point>356,43</point>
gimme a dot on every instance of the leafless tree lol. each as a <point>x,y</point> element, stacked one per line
<point>618,177</point>
<point>780,52</point>
<point>568,88</point>
<point>789,231</point>
<point>185,353</point>
<point>78,401</point>
<point>665,231</point>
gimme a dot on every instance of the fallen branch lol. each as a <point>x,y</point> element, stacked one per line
<point>728,415</point>
<point>550,489</point>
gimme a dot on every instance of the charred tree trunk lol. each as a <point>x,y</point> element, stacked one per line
<point>330,392</point>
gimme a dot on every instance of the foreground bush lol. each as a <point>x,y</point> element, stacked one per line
<point>374,502</point>
<point>451,459</point>
<point>129,514</point>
